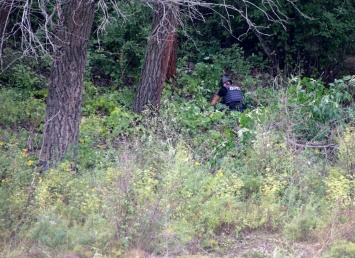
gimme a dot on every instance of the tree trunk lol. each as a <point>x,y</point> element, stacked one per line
<point>173,57</point>
<point>63,114</point>
<point>160,58</point>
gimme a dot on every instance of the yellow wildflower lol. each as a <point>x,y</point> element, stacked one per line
<point>220,173</point>
<point>1,143</point>
<point>197,164</point>
<point>30,162</point>
<point>24,154</point>
<point>82,141</point>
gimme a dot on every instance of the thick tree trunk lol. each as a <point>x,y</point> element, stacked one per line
<point>66,82</point>
<point>160,59</point>
<point>173,56</point>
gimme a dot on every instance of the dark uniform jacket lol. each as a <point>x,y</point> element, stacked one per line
<point>232,97</point>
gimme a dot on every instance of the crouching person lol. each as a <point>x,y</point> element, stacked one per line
<point>230,94</point>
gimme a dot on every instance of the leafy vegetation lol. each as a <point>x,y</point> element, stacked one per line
<point>189,179</point>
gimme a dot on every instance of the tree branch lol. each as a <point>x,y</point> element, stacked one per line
<point>315,145</point>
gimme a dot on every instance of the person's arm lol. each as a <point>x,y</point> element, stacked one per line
<point>215,100</point>
<point>221,93</point>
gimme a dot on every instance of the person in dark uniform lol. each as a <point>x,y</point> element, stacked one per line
<point>230,94</point>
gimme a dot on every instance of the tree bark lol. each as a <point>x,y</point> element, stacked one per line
<point>173,57</point>
<point>63,114</point>
<point>160,58</point>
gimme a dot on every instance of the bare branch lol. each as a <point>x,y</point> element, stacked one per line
<point>314,145</point>
<point>48,14</point>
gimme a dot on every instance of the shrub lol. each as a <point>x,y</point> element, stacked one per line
<point>315,108</point>
<point>186,179</point>
<point>22,76</point>
<point>305,223</point>
<point>68,211</point>
<point>341,249</point>
<point>18,110</point>
<point>16,175</point>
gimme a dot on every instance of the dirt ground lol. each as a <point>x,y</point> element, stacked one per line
<point>255,245</point>
<point>271,245</point>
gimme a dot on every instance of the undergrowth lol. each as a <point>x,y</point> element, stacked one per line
<point>185,181</point>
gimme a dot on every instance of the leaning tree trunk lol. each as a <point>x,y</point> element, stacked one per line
<point>160,58</point>
<point>66,81</point>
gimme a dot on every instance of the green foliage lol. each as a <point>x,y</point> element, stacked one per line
<point>315,108</point>
<point>341,249</point>
<point>117,55</point>
<point>201,84</point>
<point>186,103</point>
<point>195,124</point>
<point>304,225</point>
<point>105,100</point>
<point>340,183</point>
<point>332,23</point>
<point>338,189</point>
<point>24,77</point>
<point>313,46</point>
<point>346,149</point>
<point>204,81</point>
<point>187,175</point>
<point>102,131</point>
<point>20,110</point>
<point>233,61</point>
<point>118,121</point>
<point>324,103</point>
<point>67,209</point>
<point>15,177</point>
<point>106,118</point>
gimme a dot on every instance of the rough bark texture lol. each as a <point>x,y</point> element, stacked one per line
<point>173,56</point>
<point>66,82</point>
<point>160,59</point>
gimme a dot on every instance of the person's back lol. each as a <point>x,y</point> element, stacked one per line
<point>234,97</point>
<point>231,95</point>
